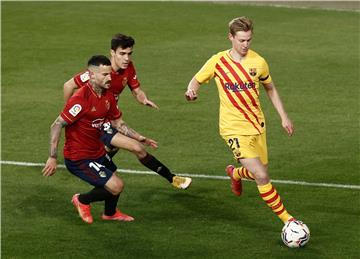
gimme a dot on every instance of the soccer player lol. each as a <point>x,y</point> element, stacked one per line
<point>123,73</point>
<point>238,73</point>
<point>84,153</point>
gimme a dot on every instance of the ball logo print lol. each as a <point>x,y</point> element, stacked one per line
<point>295,234</point>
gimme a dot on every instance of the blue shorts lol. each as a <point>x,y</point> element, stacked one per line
<point>93,171</point>
<point>107,133</point>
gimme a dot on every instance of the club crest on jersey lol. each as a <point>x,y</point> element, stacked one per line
<point>107,104</point>
<point>85,77</point>
<point>237,154</point>
<point>252,71</point>
<point>75,110</point>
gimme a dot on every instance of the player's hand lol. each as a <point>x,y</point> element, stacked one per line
<point>151,104</point>
<point>50,167</point>
<point>288,126</point>
<point>190,95</point>
<point>148,142</point>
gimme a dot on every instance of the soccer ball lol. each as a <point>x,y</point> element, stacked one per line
<point>295,234</point>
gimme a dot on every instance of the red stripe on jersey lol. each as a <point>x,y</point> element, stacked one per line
<point>236,76</point>
<point>242,100</point>
<point>246,75</point>
<point>232,100</point>
<point>267,193</point>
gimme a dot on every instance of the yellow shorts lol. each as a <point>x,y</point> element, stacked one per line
<point>248,146</point>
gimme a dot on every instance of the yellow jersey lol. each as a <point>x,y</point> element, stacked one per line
<point>238,86</point>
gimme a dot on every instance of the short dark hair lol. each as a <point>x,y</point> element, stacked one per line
<point>98,60</point>
<point>240,24</point>
<point>123,41</point>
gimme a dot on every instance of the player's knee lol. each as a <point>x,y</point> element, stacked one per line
<point>116,186</point>
<point>262,178</point>
<point>139,151</point>
<point>119,188</point>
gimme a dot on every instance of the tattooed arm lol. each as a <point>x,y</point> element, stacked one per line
<point>55,132</point>
<point>124,129</point>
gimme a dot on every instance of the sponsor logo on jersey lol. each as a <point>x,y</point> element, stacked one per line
<point>75,110</point>
<point>85,76</point>
<point>236,87</point>
<point>106,127</point>
<point>97,123</point>
<point>252,71</point>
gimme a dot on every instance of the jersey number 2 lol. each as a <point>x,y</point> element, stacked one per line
<point>232,142</point>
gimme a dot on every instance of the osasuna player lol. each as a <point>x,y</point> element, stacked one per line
<point>238,73</point>
<point>123,74</point>
<point>84,153</point>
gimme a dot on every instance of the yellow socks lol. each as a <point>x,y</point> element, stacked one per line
<point>272,198</point>
<point>242,173</point>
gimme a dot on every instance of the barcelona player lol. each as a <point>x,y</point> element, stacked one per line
<point>85,157</point>
<point>123,74</point>
<point>238,73</point>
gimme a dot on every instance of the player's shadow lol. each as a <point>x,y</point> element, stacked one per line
<point>48,202</point>
<point>199,202</point>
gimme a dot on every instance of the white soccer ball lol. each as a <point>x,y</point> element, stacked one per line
<point>295,234</point>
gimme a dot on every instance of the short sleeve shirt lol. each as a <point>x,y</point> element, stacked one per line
<point>85,112</point>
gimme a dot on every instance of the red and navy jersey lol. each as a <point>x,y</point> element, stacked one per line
<point>85,112</point>
<point>119,79</point>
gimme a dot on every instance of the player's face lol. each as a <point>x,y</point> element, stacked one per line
<point>121,57</point>
<point>241,42</point>
<point>102,76</point>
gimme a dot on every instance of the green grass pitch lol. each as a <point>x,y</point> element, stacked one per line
<point>314,61</point>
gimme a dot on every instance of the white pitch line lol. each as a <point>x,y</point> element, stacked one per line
<point>129,171</point>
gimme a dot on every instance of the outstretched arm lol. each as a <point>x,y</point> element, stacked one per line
<point>191,93</point>
<point>69,88</point>
<point>55,132</point>
<point>276,101</point>
<point>124,129</point>
<point>140,96</point>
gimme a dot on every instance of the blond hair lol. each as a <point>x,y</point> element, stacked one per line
<point>240,24</point>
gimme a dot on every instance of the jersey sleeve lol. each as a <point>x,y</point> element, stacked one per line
<point>82,78</point>
<point>133,82</point>
<point>265,77</point>
<point>73,110</point>
<point>206,73</point>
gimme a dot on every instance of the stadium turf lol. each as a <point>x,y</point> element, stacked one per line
<point>314,60</point>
